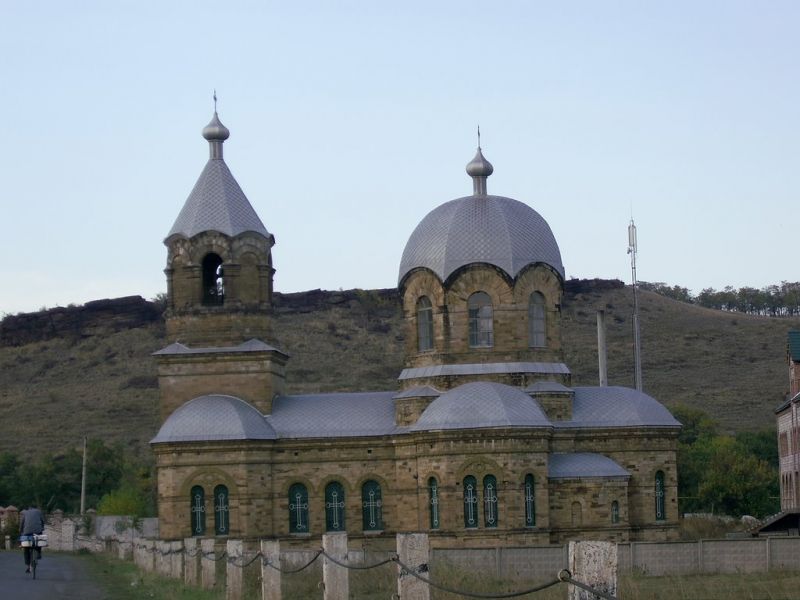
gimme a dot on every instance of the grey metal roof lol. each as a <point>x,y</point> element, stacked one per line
<point>480,229</point>
<point>582,464</point>
<point>548,386</point>
<point>420,391</point>
<point>482,404</point>
<point>217,203</point>
<point>334,415</point>
<point>214,418</point>
<point>614,406</point>
<point>787,403</point>
<point>545,368</point>
<point>253,345</point>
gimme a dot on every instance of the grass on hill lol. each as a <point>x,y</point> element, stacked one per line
<point>103,383</point>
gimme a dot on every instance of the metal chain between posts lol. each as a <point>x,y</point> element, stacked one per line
<point>292,571</point>
<point>564,576</point>
<point>413,572</point>
<point>356,567</point>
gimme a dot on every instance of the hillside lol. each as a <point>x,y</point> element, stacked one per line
<point>69,372</point>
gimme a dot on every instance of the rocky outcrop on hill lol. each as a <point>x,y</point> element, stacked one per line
<point>93,318</point>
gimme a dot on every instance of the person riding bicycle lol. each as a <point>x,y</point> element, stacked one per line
<point>31,522</point>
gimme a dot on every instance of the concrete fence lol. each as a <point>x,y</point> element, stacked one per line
<point>239,565</point>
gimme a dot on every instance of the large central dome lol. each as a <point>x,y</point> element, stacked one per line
<point>480,229</point>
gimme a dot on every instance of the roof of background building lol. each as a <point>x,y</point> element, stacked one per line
<point>582,464</point>
<point>793,340</point>
<point>480,229</point>
<point>253,345</point>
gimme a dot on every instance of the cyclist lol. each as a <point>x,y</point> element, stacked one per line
<point>31,521</point>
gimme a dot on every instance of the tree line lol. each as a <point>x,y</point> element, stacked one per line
<point>725,474</point>
<point>116,483</point>
<point>770,301</point>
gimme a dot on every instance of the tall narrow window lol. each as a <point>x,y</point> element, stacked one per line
<point>490,501</point>
<point>213,283</point>
<point>537,329</point>
<point>481,323</point>
<point>334,507</point>
<point>424,324</point>
<point>222,522</point>
<point>661,514</point>
<point>470,502</point>
<point>615,512</point>
<point>433,501</point>
<point>197,508</point>
<point>529,498</point>
<point>298,508</point>
<point>371,506</point>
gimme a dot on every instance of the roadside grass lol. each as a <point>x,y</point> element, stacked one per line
<point>123,580</point>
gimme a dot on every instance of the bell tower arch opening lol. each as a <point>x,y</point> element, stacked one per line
<point>213,280</point>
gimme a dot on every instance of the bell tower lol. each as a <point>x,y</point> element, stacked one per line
<point>219,293</point>
<point>219,260</point>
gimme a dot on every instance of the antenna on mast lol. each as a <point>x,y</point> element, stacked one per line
<point>637,341</point>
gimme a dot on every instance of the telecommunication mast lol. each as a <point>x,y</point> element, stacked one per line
<point>637,342</point>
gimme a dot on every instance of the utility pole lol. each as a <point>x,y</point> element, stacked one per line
<point>83,479</point>
<point>637,342</point>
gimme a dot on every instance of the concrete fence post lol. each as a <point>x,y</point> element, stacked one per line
<point>234,583</point>
<point>163,558</point>
<point>414,550</point>
<point>68,531</point>
<point>270,576</point>
<point>191,565</point>
<point>595,564</point>
<point>208,566</point>
<point>336,579</point>
<point>8,542</point>
<point>178,555</point>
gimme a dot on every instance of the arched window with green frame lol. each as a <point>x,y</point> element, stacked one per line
<point>615,512</point>
<point>197,510</point>
<point>661,513</point>
<point>334,507</point>
<point>529,498</point>
<point>433,502</point>
<point>490,516</point>
<point>298,508</point>
<point>222,522</point>
<point>371,506</point>
<point>470,502</point>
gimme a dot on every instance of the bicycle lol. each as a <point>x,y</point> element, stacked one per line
<point>33,543</point>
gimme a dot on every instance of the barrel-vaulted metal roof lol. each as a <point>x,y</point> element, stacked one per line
<point>475,405</point>
<point>216,202</point>
<point>494,230</point>
<point>615,406</point>
<point>482,404</point>
<point>214,418</point>
<point>571,465</point>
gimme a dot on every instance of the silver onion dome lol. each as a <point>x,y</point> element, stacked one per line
<point>215,130</point>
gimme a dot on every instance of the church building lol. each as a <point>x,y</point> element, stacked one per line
<point>484,440</point>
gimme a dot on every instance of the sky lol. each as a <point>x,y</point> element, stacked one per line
<point>350,121</point>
